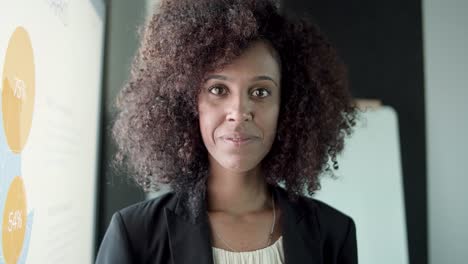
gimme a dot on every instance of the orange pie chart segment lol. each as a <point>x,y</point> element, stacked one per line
<point>14,221</point>
<point>18,90</point>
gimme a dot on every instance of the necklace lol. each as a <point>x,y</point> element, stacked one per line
<point>270,236</point>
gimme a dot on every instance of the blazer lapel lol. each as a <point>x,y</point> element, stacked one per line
<point>301,235</point>
<point>189,241</point>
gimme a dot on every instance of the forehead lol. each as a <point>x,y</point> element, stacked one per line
<point>257,59</point>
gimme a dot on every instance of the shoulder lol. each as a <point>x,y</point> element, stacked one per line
<point>137,232</point>
<point>336,229</point>
<point>310,207</point>
<point>327,211</point>
<point>333,223</point>
<point>150,209</point>
<point>145,221</point>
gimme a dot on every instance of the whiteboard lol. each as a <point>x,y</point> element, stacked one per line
<point>50,66</point>
<point>369,188</point>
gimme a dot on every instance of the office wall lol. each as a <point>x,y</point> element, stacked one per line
<point>446,76</point>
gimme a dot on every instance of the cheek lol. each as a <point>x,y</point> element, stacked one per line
<point>270,121</point>
<point>204,126</point>
<point>207,123</point>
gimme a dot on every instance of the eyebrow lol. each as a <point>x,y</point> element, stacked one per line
<point>225,78</point>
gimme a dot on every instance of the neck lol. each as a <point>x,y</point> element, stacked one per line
<point>237,193</point>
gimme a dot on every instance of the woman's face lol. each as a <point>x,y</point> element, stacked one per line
<point>238,109</point>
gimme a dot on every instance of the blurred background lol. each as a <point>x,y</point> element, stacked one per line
<point>65,61</point>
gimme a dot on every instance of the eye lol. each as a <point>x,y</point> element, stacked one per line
<point>217,90</point>
<point>262,92</point>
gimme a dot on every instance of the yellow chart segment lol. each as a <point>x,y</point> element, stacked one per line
<point>14,221</point>
<point>18,90</point>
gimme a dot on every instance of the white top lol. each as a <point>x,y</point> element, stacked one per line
<point>272,254</point>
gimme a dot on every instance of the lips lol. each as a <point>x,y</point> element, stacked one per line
<point>238,138</point>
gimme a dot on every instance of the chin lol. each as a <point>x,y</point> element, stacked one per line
<point>240,166</point>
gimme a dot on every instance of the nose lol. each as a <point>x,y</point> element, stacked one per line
<point>241,110</point>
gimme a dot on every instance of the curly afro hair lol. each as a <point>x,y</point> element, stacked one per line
<point>157,131</point>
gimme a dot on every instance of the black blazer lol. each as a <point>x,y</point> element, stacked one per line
<point>156,231</point>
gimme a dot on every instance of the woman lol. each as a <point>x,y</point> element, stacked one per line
<point>228,101</point>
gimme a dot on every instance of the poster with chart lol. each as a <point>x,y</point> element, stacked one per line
<point>50,89</point>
